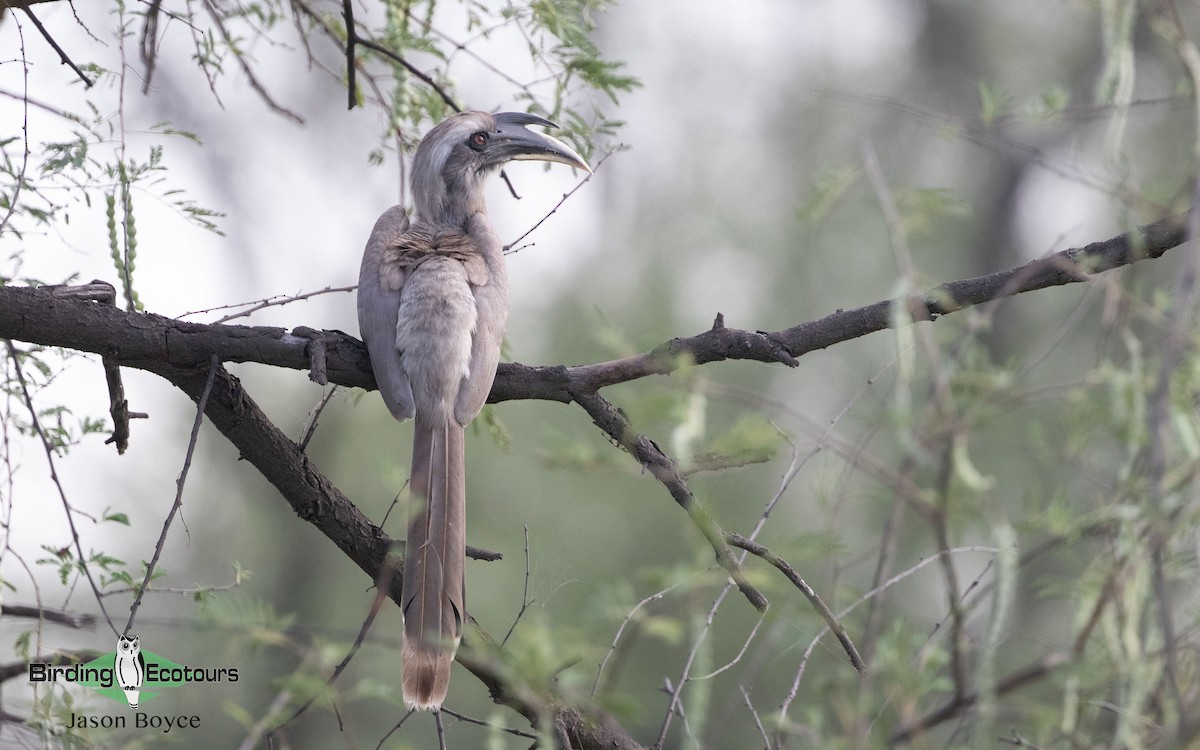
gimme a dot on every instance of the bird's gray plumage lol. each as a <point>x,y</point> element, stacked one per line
<point>432,308</point>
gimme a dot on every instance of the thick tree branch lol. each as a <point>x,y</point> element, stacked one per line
<point>38,317</point>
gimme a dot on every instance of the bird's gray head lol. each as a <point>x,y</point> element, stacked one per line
<point>456,155</point>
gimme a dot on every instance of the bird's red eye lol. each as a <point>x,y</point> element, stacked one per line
<point>479,140</point>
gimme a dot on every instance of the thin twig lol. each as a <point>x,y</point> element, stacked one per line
<point>62,55</point>
<point>420,74</point>
<point>441,732</point>
<point>1016,740</point>
<point>762,731</point>
<point>737,658</point>
<point>395,728</point>
<point>512,189</point>
<point>612,647</point>
<point>674,705</point>
<point>490,725</point>
<point>310,424</point>
<point>62,494</point>
<point>524,594</point>
<point>277,301</point>
<point>790,573</point>
<point>191,591</point>
<point>39,104</point>
<point>512,246</point>
<point>213,365</point>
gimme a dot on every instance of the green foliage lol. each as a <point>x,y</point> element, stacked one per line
<point>826,192</point>
<point>1049,106</point>
<point>994,103</point>
<point>60,427</point>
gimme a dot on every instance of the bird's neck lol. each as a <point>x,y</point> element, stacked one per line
<point>454,221</point>
<point>450,203</point>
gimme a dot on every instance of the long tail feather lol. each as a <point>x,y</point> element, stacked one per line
<point>434,597</point>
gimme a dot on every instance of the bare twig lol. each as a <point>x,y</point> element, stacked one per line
<point>762,732</point>
<point>512,246</point>
<point>1016,740</point>
<point>255,733</point>
<point>214,364</point>
<point>675,691</point>
<point>14,357</point>
<point>20,668</point>
<point>621,629</point>
<point>491,725</point>
<point>790,573</point>
<point>441,731</point>
<point>424,77</point>
<point>524,593</point>
<point>277,301</point>
<point>310,424</point>
<point>62,55</point>
<point>737,658</point>
<point>395,728</point>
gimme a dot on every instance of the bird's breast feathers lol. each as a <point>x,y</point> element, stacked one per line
<point>419,244</point>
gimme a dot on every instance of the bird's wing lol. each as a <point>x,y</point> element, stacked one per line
<point>489,284</point>
<point>380,281</point>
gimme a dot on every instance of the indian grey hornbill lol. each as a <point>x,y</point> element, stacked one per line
<point>432,307</point>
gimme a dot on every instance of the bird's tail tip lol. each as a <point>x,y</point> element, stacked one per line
<point>426,677</point>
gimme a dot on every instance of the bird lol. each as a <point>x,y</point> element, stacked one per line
<point>432,310</point>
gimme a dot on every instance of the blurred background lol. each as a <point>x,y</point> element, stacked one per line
<point>762,154</point>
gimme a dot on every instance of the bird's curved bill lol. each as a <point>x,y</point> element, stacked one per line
<point>513,142</point>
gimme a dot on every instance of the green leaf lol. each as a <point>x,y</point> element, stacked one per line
<point>120,518</point>
<point>993,103</point>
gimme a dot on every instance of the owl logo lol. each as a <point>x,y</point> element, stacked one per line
<point>130,667</point>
